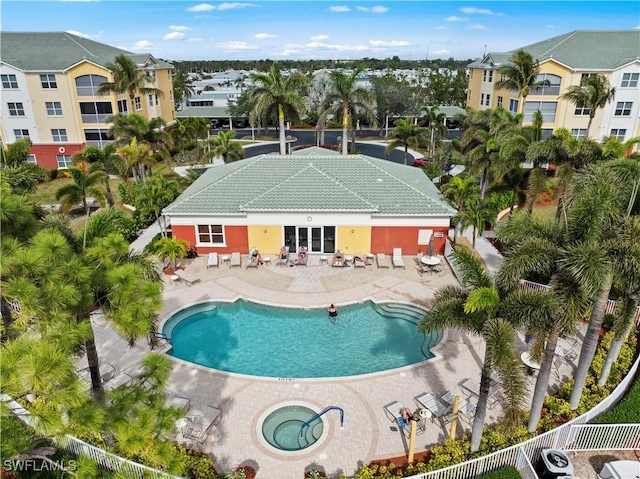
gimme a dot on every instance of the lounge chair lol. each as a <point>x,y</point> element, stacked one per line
<point>250,262</point>
<point>466,408</point>
<point>338,259</point>
<point>283,261</point>
<point>212,260</point>
<point>397,258</point>
<point>359,260</point>
<point>427,401</point>
<point>383,261</point>
<point>180,403</point>
<point>392,410</point>
<point>200,423</point>
<point>186,277</point>
<point>302,258</point>
<point>236,260</point>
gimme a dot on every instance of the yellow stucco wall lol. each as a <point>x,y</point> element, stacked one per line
<point>267,243</point>
<point>473,91</point>
<point>354,239</point>
<point>165,83</point>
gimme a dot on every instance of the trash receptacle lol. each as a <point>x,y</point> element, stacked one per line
<point>553,464</point>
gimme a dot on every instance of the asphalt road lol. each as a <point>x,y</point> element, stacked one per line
<point>307,137</point>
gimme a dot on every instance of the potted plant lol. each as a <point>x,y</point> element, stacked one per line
<point>315,474</point>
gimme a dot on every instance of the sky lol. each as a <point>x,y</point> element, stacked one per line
<point>303,30</point>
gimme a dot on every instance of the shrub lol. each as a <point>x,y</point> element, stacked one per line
<point>451,452</point>
<point>314,474</point>
<point>53,174</point>
<point>506,473</point>
<point>195,465</point>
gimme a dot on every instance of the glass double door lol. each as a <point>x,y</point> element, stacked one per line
<point>317,239</point>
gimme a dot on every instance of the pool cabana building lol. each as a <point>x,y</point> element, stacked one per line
<point>313,198</point>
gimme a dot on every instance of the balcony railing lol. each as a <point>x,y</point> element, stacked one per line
<point>546,90</point>
<point>95,117</point>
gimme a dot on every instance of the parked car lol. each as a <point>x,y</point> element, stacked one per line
<point>422,161</point>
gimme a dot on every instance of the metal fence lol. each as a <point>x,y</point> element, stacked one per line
<point>575,435</point>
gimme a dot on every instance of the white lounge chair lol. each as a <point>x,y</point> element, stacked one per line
<point>357,263</point>
<point>383,261</point>
<point>429,402</point>
<point>466,408</point>
<point>397,258</point>
<point>212,260</point>
<point>180,403</point>
<point>392,410</point>
<point>186,277</point>
<point>236,260</point>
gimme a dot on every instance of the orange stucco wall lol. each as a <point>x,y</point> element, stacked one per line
<point>384,239</point>
<point>236,239</point>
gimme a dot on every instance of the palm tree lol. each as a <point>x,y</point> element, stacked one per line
<point>83,185</point>
<point>593,93</point>
<point>475,215</point>
<point>127,79</point>
<point>344,98</point>
<point>613,148</point>
<point>274,93</point>
<point>460,190</point>
<point>521,74</point>
<point>101,159</point>
<point>136,155</point>
<point>474,308</point>
<point>406,134</point>
<point>225,148</point>
<point>158,192</point>
<point>171,248</point>
<point>434,121</point>
<point>182,87</point>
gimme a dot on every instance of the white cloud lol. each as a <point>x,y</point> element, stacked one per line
<point>442,27</point>
<point>553,26</point>
<point>143,45</point>
<point>179,28</point>
<point>337,47</point>
<point>479,11</point>
<point>379,9</point>
<point>362,9</point>
<point>317,38</point>
<point>339,9</point>
<point>439,53</point>
<point>286,53</point>
<point>79,34</point>
<point>477,27</point>
<point>173,36</point>
<point>453,18</point>
<point>194,39</point>
<point>264,36</point>
<point>203,7</point>
<point>392,43</point>
<point>235,46</point>
<point>234,5</point>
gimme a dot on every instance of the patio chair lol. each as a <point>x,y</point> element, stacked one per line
<point>212,260</point>
<point>392,411</point>
<point>122,379</point>
<point>466,408</point>
<point>186,277</point>
<point>180,403</point>
<point>236,260</point>
<point>383,261</point>
<point>282,261</point>
<point>397,258</point>
<point>359,260</point>
<point>250,262</point>
<point>302,259</point>
<point>429,402</point>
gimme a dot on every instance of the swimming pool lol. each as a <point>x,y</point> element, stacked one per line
<point>260,340</point>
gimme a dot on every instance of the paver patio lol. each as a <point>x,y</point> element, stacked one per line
<point>245,400</point>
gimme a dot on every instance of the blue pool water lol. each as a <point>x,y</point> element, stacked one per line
<point>260,340</point>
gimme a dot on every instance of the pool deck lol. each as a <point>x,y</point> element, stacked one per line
<point>245,401</point>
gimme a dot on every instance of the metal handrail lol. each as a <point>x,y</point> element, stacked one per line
<point>326,410</point>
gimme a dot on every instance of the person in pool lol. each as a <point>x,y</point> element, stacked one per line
<point>333,311</point>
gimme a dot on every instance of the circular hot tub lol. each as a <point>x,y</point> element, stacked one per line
<point>292,428</point>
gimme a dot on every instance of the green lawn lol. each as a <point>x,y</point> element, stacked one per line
<point>626,411</point>
<point>46,192</point>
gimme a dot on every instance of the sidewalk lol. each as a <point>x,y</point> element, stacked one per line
<point>146,236</point>
<point>491,256</point>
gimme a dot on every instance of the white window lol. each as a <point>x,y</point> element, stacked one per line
<point>488,102</point>
<point>578,133</point>
<point>32,159</point>
<point>619,133</point>
<point>547,108</point>
<point>584,76</point>
<point>481,98</point>
<point>59,134</point>
<point>503,77</point>
<point>581,110</point>
<point>89,85</point>
<point>150,99</point>
<point>97,137</point>
<point>499,101</point>
<point>629,80</point>
<point>9,82</point>
<point>513,106</point>
<point>54,108</point>
<point>21,134</point>
<point>623,108</point>
<point>138,103</point>
<point>213,234</point>
<point>16,109</point>
<point>122,107</point>
<point>157,102</point>
<point>48,82</point>
<point>64,161</point>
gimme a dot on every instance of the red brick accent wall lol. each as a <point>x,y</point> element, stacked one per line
<point>384,239</point>
<point>46,154</point>
<point>235,236</point>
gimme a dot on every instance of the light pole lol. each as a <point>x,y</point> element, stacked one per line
<point>386,126</point>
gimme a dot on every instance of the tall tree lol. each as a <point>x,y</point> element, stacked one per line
<point>171,248</point>
<point>475,216</point>
<point>224,146</point>
<point>284,96</point>
<point>344,99</point>
<point>127,79</point>
<point>593,93</point>
<point>84,185</point>
<point>182,86</point>
<point>521,74</point>
<point>475,308</point>
<point>101,159</point>
<point>460,190</point>
<point>434,122</point>
<point>406,134</point>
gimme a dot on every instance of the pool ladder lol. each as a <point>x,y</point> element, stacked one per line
<point>324,411</point>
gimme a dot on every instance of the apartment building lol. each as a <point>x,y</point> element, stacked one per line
<point>50,83</point>
<point>566,60</point>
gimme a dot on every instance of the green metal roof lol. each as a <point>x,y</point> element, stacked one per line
<point>312,179</point>
<point>58,51</point>
<point>581,50</point>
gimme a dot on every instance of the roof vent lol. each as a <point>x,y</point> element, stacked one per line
<point>379,180</point>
